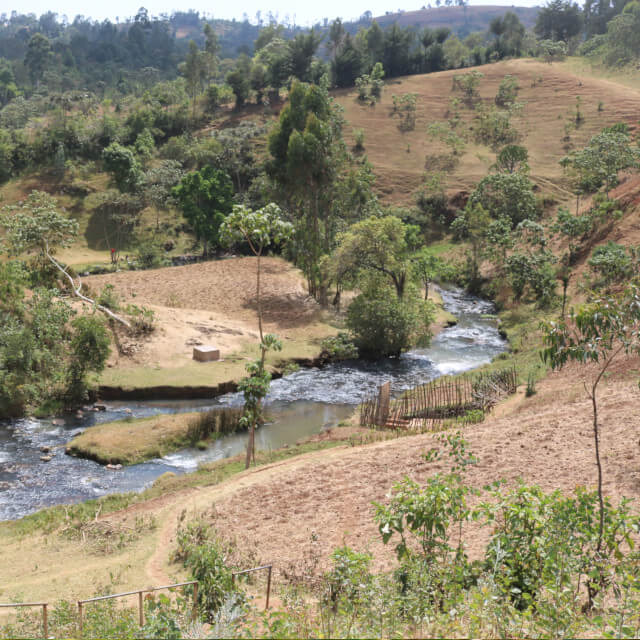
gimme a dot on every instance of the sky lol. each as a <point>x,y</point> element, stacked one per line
<point>302,13</point>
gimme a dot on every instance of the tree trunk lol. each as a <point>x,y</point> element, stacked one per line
<point>250,447</point>
<point>594,402</point>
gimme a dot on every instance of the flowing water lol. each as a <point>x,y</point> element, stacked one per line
<point>299,405</point>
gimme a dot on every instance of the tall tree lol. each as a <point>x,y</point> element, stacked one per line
<point>258,229</point>
<point>307,152</point>
<point>38,57</point>
<point>559,20</point>
<point>205,198</point>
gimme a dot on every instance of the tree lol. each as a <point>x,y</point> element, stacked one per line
<point>205,198</point>
<point>559,20</point>
<point>90,348</point>
<point>377,245</point>
<point>38,57</point>
<point>623,36</point>
<point>384,325</point>
<point>307,152</point>
<point>600,161</point>
<point>599,332</point>
<point>35,224</point>
<point>122,164</point>
<point>426,268</point>
<point>258,229</point>
<point>472,224</point>
<point>195,69</point>
<point>239,80</point>
<point>509,35</point>
<point>347,63</point>
<point>512,158</point>
<point>301,51</point>
<point>507,195</point>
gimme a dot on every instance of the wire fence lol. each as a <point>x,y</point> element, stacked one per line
<point>435,405</point>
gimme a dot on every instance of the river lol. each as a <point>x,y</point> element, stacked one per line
<point>299,405</point>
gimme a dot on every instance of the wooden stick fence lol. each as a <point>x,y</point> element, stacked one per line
<point>428,406</point>
<point>140,593</point>
<point>44,605</point>
<point>268,567</point>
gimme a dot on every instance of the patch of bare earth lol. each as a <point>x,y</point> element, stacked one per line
<point>209,303</point>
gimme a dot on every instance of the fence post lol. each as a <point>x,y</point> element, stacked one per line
<point>80,616</point>
<point>45,621</point>
<point>141,609</point>
<point>268,588</point>
<point>195,601</point>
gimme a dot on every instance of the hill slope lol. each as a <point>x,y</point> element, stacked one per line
<point>548,93</point>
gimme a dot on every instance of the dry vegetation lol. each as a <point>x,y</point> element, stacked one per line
<point>549,95</point>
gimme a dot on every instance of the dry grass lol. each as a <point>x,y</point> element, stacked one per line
<point>548,107</point>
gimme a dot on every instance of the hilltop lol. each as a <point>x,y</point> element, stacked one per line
<point>461,20</point>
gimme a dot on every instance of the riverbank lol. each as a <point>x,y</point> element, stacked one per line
<point>302,347</point>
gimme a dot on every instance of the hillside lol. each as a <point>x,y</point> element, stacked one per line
<point>461,20</point>
<point>548,93</point>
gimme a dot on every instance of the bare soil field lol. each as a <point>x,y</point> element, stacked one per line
<point>211,303</point>
<point>549,93</point>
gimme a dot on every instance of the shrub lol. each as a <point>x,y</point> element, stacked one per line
<point>507,195</point>
<point>507,91</point>
<point>385,326</point>
<point>612,262</point>
<point>339,347</point>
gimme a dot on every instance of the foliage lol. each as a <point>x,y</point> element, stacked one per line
<point>259,229</point>
<point>507,91</point>
<point>338,347</point>
<point>600,161</point>
<point>36,224</point>
<point>467,84</point>
<point>598,332</point>
<point>560,20</point>
<point>512,158</point>
<point>121,163</point>
<point>404,107</point>
<point>89,350</point>
<point>376,245</point>
<point>206,556</point>
<point>613,262</point>
<point>205,198</point>
<point>384,325</point>
<point>507,195</point>
<point>494,128</point>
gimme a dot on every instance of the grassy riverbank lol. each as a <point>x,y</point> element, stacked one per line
<point>131,441</point>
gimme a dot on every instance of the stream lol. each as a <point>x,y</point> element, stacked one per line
<point>298,405</point>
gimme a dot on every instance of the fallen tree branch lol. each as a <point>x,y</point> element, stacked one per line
<point>77,292</point>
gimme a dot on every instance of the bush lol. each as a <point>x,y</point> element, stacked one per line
<point>338,348</point>
<point>384,326</point>
<point>612,262</point>
<point>205,555</point>
<point>507,91</point>
<point>507,195</point>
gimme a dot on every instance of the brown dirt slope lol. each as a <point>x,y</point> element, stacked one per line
<point>549,103</point>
